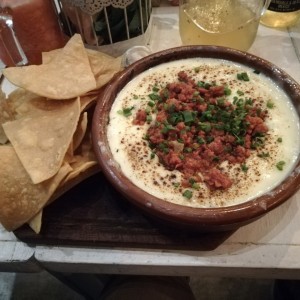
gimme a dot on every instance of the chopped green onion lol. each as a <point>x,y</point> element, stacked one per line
<point>240,102</point>
<point>187,194</point>
<point>258,141</point>
<point>227,91</point>
<point>149,118</point>
<point>200,83</point>
<point>207,85</point>
<point>188,116</point>
<point>154,97</point>
<point>165,93</point>
<point>196,186</point>
<point>126,112</point>
<point>200,140</point>
<point>248,101</point>
<point>216,159</point>
<point>209,139</point>
<point>280,165</point>
<point>221,101</point>
<point>167,128</point>
<point>244,168</point>
<point>206,127</point>
<point>175,118</point>
<point>270,104</point>
<point>264,154</point>
<point>243,76</point>
<point>239,140</point>
<point>151,103</point>
<point>188,149</point>
<point>192,181</point>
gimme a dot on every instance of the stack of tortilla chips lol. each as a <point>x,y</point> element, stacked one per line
<point>45,140</point>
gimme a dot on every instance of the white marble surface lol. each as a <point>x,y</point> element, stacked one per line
<point>16,256</point>
<point>268,247</point>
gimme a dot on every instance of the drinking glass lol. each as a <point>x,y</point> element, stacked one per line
<point>229,23</point>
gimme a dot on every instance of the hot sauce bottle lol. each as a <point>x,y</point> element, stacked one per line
<point>36,27</point>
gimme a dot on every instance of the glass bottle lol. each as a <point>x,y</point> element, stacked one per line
<point>282,13</point>
<point>31,26</point>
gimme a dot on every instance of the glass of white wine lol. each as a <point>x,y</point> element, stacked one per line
<point>229,23</point>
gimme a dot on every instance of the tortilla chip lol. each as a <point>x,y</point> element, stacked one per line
<point>87,100</point>
<point>66,186</point>
<point>42,138</point>
<point>23,103</point>
<point>21,199</point>
<point>17,98</point>
<point>36,222</point>
<point>5,115</point>
<point>48,56</point>
<point>51,149</point>
<point>66,76</point>
<point>103,66</point>
<point>78,168</point>
<point>80,131</point>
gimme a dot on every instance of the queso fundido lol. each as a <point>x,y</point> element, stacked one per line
<point>204,132</point>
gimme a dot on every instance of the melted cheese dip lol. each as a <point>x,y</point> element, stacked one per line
<point>133,154</point>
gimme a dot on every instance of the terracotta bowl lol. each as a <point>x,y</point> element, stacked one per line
<point>202,219</point>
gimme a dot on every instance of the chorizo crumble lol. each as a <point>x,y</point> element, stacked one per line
<point>197,129</point>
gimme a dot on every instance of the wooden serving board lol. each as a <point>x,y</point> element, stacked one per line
<point>94,214</point>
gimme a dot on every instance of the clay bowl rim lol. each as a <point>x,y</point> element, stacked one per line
<point>207,218</point>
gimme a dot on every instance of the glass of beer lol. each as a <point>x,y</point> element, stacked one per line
<point>229,23</point>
